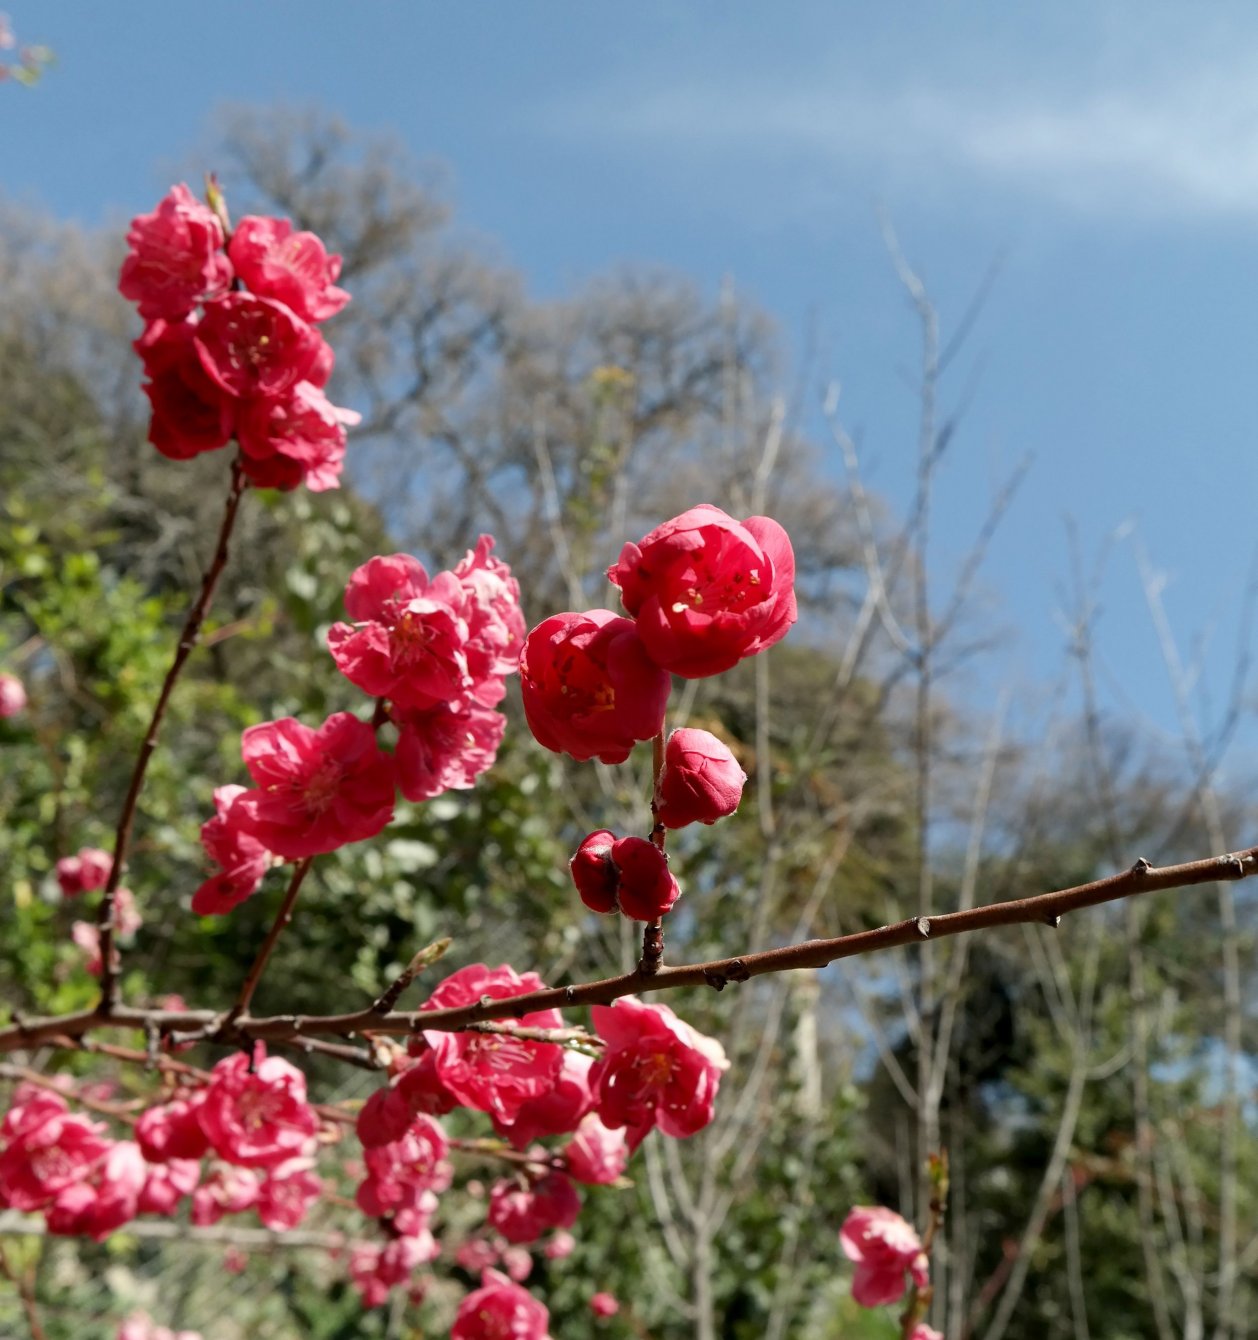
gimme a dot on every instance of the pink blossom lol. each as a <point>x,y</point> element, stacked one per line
<point>604,1305</point>
<point>656,1070</point>
<point>166,1184</point>
<point>628,874</point>
<point>597,1154</point>
<point>408,642</point>
<point>518,1263</point>
<point>97,1207</point>
<point>139,1327</point>
<point>400,1171</point>
<point>291,267</point>
<point>48,1150</point>
<point>12,696</point>
<point>923,1332</point>
<point>378,1270</point>
<point>884,1247</point>
<point>84,872</point>
<point>707,590</point>
<point>191,414</point>
<point>522,1213</point>
<point>86,936</point>
<point>701,781</point>
<point>495,622</point>
<point>257,1116</point>
<point>175,258</point>
<point>559,1246</point>
<point>316,789</point>
<point>384,1118</point>
<point>172,1131</point>
<point>295,439</point>
<point>493,1072</point>
<point>226,1190</point>
<point>476,1254</point>
<point>253,348</point>
<point>500,1310</point>
<point>589,687</point>
<point>445,749</point>
<point>287,1193</point>
<point>421,1085</point>
<point>556,1111</point>
<point>241,858</point>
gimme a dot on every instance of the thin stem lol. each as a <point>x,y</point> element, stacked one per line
<point>653,935</point>
<point>26,1292</point>
<point>122,836</point>
<point>282,918</point>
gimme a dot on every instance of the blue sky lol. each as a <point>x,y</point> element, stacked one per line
<point>1109,151</point>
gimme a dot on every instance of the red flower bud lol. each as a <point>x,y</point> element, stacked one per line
<point>629,874</point>
<point>701,782</point>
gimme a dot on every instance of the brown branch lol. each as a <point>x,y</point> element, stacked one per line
<point>282,918</point>
<point>122,836</point>
<point>424,959</point>
<point>118,1111</point>
<point>1044,909</point>
<point>653,934</point>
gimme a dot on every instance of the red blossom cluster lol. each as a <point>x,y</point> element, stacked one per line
<point>435,654</point>
<point>230,348</point>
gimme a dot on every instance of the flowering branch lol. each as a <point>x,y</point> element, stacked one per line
<point>122,837</point>
<point>1043,909</point>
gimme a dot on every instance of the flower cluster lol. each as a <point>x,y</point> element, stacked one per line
<point>252,1119</point>
<point>435,654</point>
<point>230,346</point>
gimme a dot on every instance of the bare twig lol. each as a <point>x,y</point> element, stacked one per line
<point>282,918</point>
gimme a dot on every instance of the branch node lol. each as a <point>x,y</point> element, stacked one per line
<point>1053,920</point>
<point>715,980</point>
<point>923,927</point>
<point>1141,867</point>
<point>570,994</point>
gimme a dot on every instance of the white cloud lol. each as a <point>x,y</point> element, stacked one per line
<point>1178,142</point>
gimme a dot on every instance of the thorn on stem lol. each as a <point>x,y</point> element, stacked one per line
<point>1141,867</point>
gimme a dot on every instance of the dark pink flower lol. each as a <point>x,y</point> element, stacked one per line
<point>48,1150</point>
<point>557,1111</point>
<point>85,872</point>
<point>518,1263</point>
<point>559,1246</point>
<point>98,1207</point>
<point>287,1193</point>
<point>476,1254</point>
<point>166,1184</point>
<point>493,1072</point>
<point>241,858</point>
<point>655,1071</point>
<point>12,696</point>
<point>707,590</point>
<point>596,1154</point>
<point>316,789</point>
<point>445,749</point>
<point>523,1213</point>
<point>408,641</point>
<point>701,781</point>
<point>500,1310</point>
<point>226,1190</point>
<point>253,348</point>
<point>175,258</point>
<point>495,622</point>
<point>295,439</point>
<point>604,1305</point>
<point>399,1171</point>
<point>191,414</point>
<point>172,1131</point>
<point>276,262</point>
<point>384,1118</point>
<point>86,934</point>
<point>421,1085</point>
<point>885,1248</point>
<point>628,874</point>
<point>376,1271</point>
<point>257,1116</point>
<point>589,687</point>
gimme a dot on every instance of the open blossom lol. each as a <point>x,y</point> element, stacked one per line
<point>495,623</point>
<point>12,696</point>
<point>628,874</point>
<point>172,1130</point>
<point>376,1271</point>
<point>255,349</point>
<point>655,1071</point>
<point>166,1184</point>
<point>701,781</point>
<point>84,872</point>
<point>287,1193</point>
<point>226,1190</point>
<point>556,1111</point>
<point>604,1305</point>
<point>493,1072</point>
<point>525,1213</point>
<point>191,414</point>
<point>589,687</point>
<point>175,258</point>
<point>103,1202</point>
<point>884,1248</point>
<point>241,858</point>
<point>257,1117</point>
<point>596,1154</point>
<point>47,1149</point>
<point>444,749</point>
<point>295,439</point>
<point>500,1310</point>
<point>86,934</point>
<point>399,1171</point>
<point>316,789</point>
<point>139,1327</point>
<point>408,640</point>
<point>292,267</point>
<point>707,590</point>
